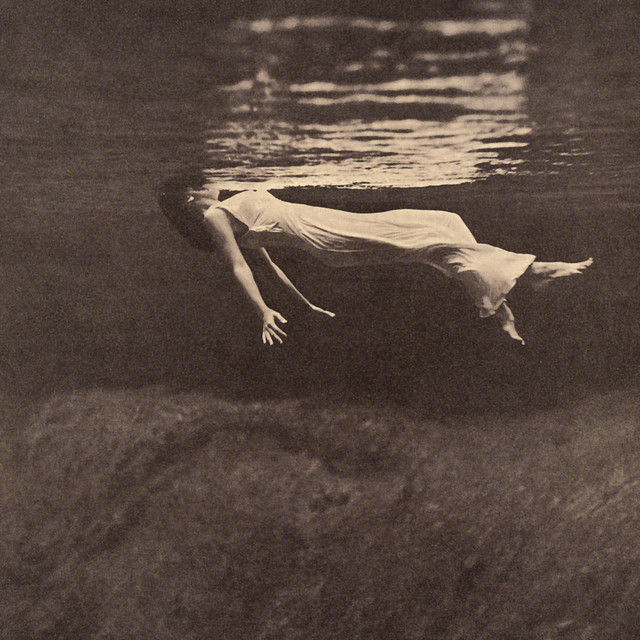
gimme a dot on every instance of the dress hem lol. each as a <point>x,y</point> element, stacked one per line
<point>488,308</point>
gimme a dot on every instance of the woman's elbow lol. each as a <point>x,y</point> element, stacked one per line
<point>241,270</point>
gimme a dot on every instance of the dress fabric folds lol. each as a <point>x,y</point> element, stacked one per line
<point>439,239</point>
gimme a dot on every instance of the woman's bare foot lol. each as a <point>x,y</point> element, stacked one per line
<point>541,274</point>
<point>507,322</point>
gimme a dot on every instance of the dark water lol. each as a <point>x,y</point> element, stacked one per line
<point>522,117</point>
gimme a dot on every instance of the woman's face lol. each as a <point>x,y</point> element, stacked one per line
<point>192,204</point>
<point>184,212</point>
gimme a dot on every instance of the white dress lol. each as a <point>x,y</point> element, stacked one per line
<point>439,239</point>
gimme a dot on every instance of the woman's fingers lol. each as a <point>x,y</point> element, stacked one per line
<point>270,332</point>
<point>270,328</point>
<point>276,329</point>
<point>272,324</point>
<point>324,311</point>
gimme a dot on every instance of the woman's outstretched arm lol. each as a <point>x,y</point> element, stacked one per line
<point>222,235</point>
<point>287,283</point>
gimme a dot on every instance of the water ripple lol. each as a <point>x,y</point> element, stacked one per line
<point>448,28</point>
<point>398,104</point>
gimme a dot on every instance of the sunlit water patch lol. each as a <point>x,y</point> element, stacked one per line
<point>359,102</point>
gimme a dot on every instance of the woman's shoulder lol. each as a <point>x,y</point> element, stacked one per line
<point>245,205</point>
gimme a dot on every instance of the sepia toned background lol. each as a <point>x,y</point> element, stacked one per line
<point>399,471</point>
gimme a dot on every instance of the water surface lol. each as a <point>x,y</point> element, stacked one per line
<point>334,101</point>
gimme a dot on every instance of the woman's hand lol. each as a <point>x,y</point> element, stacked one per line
<point>322,311</point>
<point>270,328</point>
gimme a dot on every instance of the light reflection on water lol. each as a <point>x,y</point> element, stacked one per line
<point>358,102</point>
<point>492,26</point>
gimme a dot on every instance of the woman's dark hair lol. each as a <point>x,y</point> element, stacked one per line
<point>182,211</point>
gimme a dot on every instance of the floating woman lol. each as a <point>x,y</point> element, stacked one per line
<point>258,220</point>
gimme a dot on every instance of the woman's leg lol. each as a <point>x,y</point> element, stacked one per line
<point>507,322</point>
<point>540,274</point>
<point>537,276</point>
